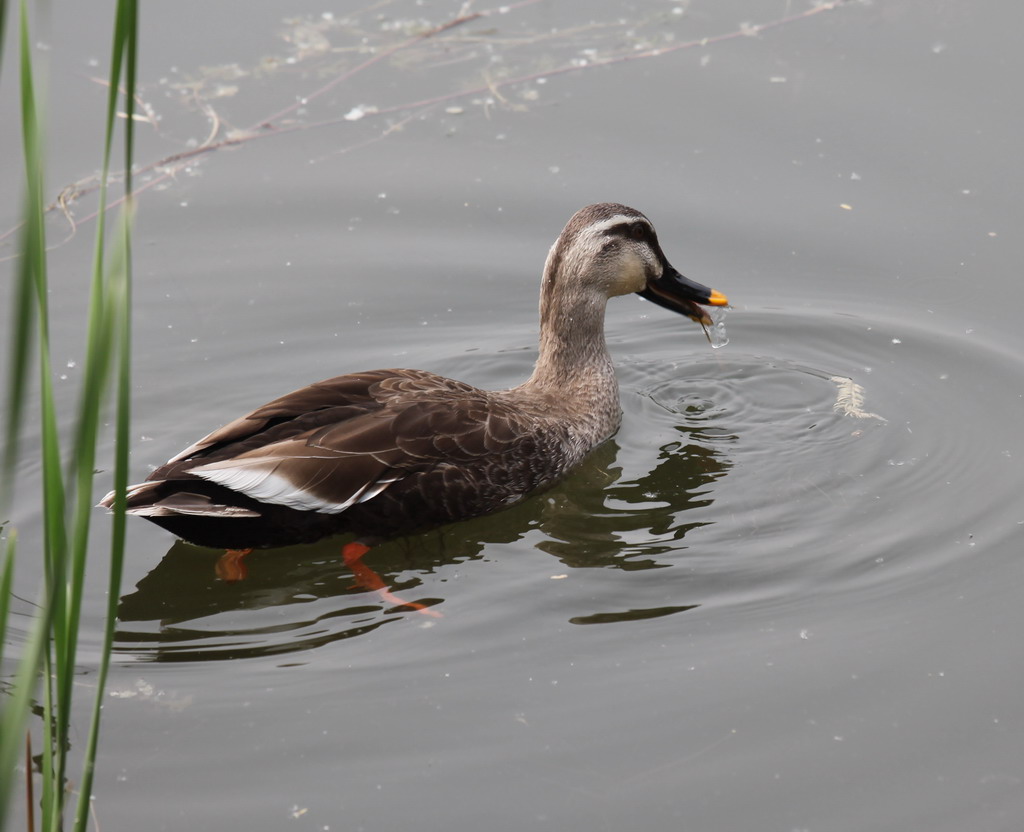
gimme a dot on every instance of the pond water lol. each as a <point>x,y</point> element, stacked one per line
<point>784,597</point>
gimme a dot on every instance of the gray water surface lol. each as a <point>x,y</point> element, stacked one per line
<point>750,609</point>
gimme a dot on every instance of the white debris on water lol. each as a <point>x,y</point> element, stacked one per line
<point>850,399</point>
<point>360,111</point>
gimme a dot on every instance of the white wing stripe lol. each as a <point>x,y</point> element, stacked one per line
<point>269,487</point>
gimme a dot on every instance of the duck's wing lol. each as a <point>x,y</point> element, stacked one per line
<point>321,403</point>
<point>357,441</point>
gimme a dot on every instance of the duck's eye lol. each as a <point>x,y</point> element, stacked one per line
<point>638,232</point>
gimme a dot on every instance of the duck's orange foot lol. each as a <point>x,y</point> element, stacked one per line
<point>231,567</point>
<point>366,578</point>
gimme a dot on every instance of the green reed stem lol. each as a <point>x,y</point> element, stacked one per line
<point>6,583</point>
<point>53,643</point>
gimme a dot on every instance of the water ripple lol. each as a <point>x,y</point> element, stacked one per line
<point>817,501</point>
<point>735,483</point>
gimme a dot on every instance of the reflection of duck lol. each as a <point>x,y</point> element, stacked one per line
<point>301,597</point>
<point>387,452</point>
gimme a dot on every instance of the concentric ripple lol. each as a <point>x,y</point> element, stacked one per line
<point>814,456</point>
<point>854,454</point>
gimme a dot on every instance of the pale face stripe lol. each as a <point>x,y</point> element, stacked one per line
<point>601,227</point>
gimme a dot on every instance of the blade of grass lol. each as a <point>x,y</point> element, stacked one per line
<point>22,327</point>
<point>56,697</point>
<point>108,336</point>
<point>3,28</point>
<point>119,300</point>
<point>101,335</point>
<point>6,582</point>
<point>114,308</point>
<point>18,701</point>
<point>18,364</point>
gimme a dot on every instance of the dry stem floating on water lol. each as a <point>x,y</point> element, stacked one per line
<point>419,45</point>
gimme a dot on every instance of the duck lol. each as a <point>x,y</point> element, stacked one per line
<point>387,453</point>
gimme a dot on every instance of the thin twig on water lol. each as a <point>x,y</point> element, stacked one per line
<point>169,166</point>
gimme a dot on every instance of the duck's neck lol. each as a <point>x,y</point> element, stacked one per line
<point>573,358</point>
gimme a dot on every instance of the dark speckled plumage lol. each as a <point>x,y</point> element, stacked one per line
<point>388,452</point>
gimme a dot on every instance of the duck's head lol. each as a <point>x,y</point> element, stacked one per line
<point>614,250</point>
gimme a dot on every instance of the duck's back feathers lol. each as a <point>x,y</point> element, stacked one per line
<point>320,455</point>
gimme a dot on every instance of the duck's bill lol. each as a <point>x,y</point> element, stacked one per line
<point>682,295</point>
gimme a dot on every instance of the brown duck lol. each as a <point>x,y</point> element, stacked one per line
<point>389,452</point>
